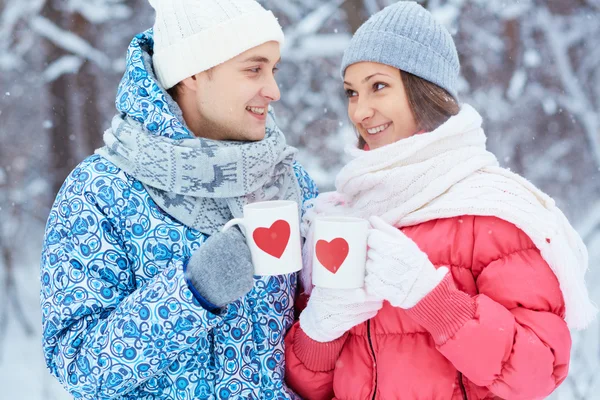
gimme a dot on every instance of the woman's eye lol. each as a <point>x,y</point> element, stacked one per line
<point>379,86</point>
<point>255,70</point>
<point>350,93</point>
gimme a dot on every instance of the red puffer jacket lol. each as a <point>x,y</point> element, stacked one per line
<point>493,328</point>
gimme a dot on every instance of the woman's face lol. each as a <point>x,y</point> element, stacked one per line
<point>377,103</point>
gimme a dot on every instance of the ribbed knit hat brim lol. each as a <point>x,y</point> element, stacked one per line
<point>406,36</point>
<point>191,36</point>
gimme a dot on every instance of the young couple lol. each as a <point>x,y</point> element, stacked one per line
<point>474,277</point>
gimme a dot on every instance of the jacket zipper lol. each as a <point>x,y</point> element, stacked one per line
<point>373,354</point>
<point>462,386</point>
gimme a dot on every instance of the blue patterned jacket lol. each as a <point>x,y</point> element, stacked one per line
<point>119,321</point>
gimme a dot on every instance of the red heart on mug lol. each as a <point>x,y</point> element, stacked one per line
<point>273,240</point>
<point>332,254</point>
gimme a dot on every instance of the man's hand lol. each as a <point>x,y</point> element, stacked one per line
<point>221,269</point>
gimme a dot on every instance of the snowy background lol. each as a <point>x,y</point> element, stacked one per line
<point>531,67</point>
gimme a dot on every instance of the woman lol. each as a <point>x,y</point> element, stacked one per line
<point>474,277</point>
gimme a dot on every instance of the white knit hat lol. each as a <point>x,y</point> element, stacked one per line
<point>191,36</point>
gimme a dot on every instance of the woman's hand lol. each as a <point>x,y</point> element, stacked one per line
<point>332,312</point>
<point>397,270</point>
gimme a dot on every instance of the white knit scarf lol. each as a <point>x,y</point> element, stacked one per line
<point>447,173</point>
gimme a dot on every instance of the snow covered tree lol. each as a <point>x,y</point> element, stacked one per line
<point>531,67</point>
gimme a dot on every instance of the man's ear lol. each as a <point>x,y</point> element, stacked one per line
<point>190,83</point>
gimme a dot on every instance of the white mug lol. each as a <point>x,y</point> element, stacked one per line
<point>272,232</point>
<point>339,252</point>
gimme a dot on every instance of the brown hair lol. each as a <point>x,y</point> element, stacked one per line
<point>430,105</point>
<point>174,91</point>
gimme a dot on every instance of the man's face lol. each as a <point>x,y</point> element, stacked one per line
<point>232,98</point>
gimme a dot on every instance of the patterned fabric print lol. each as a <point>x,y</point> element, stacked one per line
<point>142,98</point>
<point>118,318</point>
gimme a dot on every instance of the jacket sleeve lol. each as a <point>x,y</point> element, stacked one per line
<point>310,365</point>
<point>511,337</point>
<point>307,185</point>
<point>104,331</point>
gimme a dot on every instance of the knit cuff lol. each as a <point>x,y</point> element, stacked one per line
<point>444,310</point>
<point>317,356</point>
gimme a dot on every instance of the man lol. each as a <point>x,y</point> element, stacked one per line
<point>142,297</point>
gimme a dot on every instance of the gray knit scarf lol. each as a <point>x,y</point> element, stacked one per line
<point>200,182</point>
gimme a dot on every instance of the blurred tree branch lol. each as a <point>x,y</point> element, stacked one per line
<point>576,99</point>
<point>355,13</point>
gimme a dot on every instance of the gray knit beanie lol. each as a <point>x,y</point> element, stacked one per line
<point>406,36</point>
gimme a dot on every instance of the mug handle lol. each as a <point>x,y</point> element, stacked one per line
<point>235,221</point>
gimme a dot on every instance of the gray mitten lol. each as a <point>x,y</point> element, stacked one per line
<point>221,270</point>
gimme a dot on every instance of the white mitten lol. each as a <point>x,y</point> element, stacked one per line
<point>397,270</point>
<point>332,312</point>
